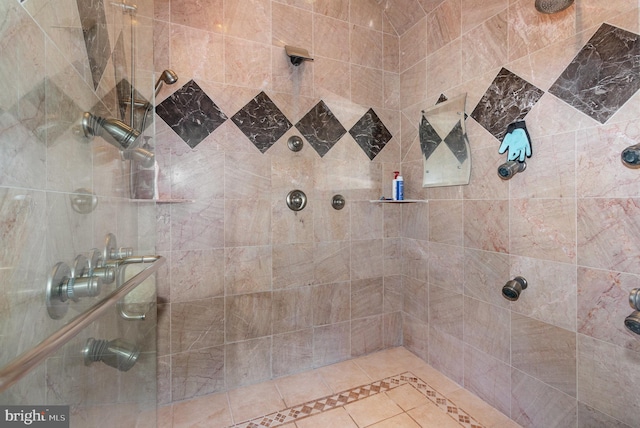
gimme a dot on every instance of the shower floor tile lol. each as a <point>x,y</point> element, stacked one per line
<point>391,388</point>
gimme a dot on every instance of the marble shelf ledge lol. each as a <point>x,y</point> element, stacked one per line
<point>404,201</point>
<point>165,201</point>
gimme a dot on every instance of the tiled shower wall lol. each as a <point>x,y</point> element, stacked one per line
<point>559,356</point>
<point>253,289</point>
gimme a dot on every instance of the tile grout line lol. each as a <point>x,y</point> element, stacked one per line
<point>340,399</point>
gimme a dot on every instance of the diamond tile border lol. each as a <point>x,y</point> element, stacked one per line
<point>340,399</point>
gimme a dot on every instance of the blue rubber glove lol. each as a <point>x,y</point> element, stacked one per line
<point>518,144</point>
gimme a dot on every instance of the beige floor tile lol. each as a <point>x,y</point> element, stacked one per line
<point>430,416</point>
<point>256,400</point>
<point>303,387</point>
<point>400,421</point>
<point>345,375</point>
<point>372,410</point>
<point>165,416</point>
<point>336,418</point>
<point>407,397</point>
<point>210,410</point>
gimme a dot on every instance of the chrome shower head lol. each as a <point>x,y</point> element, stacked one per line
<point>508,169</point>
<point>144,157</point>
<point>552,6</point>
<point>632,322</point>
<point>117,133</point>
<point>167,76</point>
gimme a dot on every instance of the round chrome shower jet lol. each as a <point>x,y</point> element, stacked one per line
<point>632,322</point>
<point>552,6</point>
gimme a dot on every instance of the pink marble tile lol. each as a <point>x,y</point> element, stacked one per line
<point>338,9</point>
<point>444,68</point>
<point>480,321</point>
<point>195,166</point>
<point>600,172</point>
<point>197,274</point>
<point>247,269</point>
<point>330,36</point>
<point>492,236</point>
<point>603,302</point>
<point>391,92</point>
<point>489,50</point>
<point>332,79</point>
<point>413,85</point>
<point>291,26</point>
<point>415,255</point>
<point>366,258</point>
<point>416,220</point>
<point>366,47</point>
<point>473,16</point>
<point>247,222</point>
<point>543,228</point>
<point>413,45</point>
<point>443,24</point>
<point>192,13</point>
<point>366,13</point>
<point>551,296</point>
<point>248,19</point>
<point>446,266</point>
<point>197,225</point>
<point>197,325</point>
<point>608,236</point>
<point>403,14</point>
<point>368,88</point>
<point>484,272</point>
<point>488,378</point>
<point>485,182</point>
<point>247,63</point>
<point>391,53</point>
<point>197,53</point>
<point>246,176</point>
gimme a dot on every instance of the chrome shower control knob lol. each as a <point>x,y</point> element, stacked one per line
<point>296,200</point>
<point>83,287</point>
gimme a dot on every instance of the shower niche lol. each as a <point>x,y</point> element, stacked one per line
<point>444,144</point>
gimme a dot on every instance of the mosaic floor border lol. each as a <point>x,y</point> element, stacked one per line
<point>340,399</point>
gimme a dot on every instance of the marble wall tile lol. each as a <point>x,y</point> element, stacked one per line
<point>445,222</point>
<point>292,310</point>
<point>446,266</point>
<point>589,417</point>
<point>487,327</point>
<point>545,352</point>
<point>247,63</point>
<point>336,9</point>
<point>489,51</point>
<point>367,258</point>
<point>543,228</point>
<point>413,85</point>
<point>367,89</point>
<point>415,334</point>
<point>482,236</point>
<point>484,274</point>
<point>291,26</point>
<point>552,295</point>
<point>415,255</point>
<point>393,295</point>
<point>245,222</point>
<point>392,329</point>
<point>204,16</point>
<point>484,182</point>
<point>330,36</point>
<point>488,378</point>
<point>416,299</point>
<point>392,257</point>
<point>390,53</point>
<point>332,79</point>
<point>446,354</point>
<point>367,335</point>
<point>366,13</point>
<point>247,269</point>
<point>413,45</point>
<point>603,304</point>
<point>292,265</point>
<point>331,344</point>
<point>391,92</point>
<point>249,316</point>
<point>291,226</point>
<point>248,19</point>
<point>475,16</point>
<point>197,325</point>
<point>443,25</point>
<point>292,352</point>
<point>367,297</point>
<point>403,14</point>
<point>195,373</point>
<point>534,404</point>
<point>607,235</point>
<point>442,311</point>
<point>607,375</point>
<point>247,362</point>
<point>416,221</point>
<point>197,225</point>
<point>332,262</point>
<point>189,167</point>
<point>599,172</point>
<point>331,303</point>
<point>444,68</point>
<point>365,46</point>
<point>246,176</point>
<point>197,53</point>
<point>196,274</point>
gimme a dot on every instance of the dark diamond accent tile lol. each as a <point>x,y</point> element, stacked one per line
<point>262,122</point>
<point>96,37</point>
<point>604,74</point>
<point>191,113</point>
<point>456,141</point>
<point>429,138</point>
<point>508,99</point>
<point>370,134</point>
<point>321,128</point>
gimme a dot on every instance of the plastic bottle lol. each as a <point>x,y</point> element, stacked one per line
<point>394,191</point>
<point>399,188</point>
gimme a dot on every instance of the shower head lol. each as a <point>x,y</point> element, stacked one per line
<point>632,322</point>
<point>167,76</point>
<point>552,6</point>
<point>144,157</point>
<point>115,353</point>
<point>508,169</point>
<point>117,133</point>
<point>631,156</point>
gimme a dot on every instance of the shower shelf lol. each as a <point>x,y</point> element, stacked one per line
<point>165,201</point>
<point>404,201</point>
